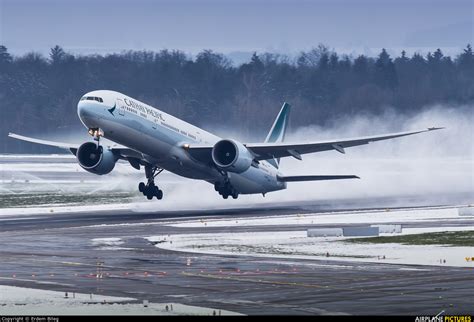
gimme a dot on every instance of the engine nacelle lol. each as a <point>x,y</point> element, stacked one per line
<point>233,156</point>
<point>95,159</point>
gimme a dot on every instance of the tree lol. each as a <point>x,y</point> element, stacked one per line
<point>312,57</point>
<point>385,73</point>
<point>403,57</point>
<point>361,69</point>
<point>466,59</point>
<point>56,55</point>
<point>438,55</point>
<point>323,63</point>
<point>333,61</point>
<point>5,57</point>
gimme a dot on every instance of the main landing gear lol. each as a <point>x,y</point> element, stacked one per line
<point>149,189</point>
<point>225,189</point>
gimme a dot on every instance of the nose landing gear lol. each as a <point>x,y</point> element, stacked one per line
<point>149,189</point>
<point>96,133</point>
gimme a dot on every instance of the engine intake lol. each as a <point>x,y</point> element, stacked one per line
<point>231,156</point>
<point>95,159</point>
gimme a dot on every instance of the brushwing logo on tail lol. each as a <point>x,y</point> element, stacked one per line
<point>111,110</point>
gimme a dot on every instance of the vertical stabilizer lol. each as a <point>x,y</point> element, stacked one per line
<point>278,130</point>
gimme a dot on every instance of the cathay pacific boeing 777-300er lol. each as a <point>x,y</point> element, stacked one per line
<point>145,136</point>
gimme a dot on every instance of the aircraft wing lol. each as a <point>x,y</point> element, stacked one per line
<point>120,150</point>
<point>265,151</point>
<point>44,142</point>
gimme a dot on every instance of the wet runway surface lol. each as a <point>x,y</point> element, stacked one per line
<point>56,251</point>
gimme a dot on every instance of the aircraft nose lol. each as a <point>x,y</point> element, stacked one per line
<point>83,110</point>
<point>86,114</point>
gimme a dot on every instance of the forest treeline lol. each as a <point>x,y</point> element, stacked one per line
<point>39,95</point>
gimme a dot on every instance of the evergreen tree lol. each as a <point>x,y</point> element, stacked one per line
<point>466,59</point>
<point>385,73</point>
<point>56,55</point>
<point>361,69</point>
<point>5,57</point>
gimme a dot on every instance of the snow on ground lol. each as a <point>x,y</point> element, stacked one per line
<point>295,244</point>
<point>344,217</point>
<point>109,244</point>
<point>26,301</point>
<point>411,231</point>
<point>36,156</point>
<point>44,167</point>
<point>53,165</point>
<point>107,241</point>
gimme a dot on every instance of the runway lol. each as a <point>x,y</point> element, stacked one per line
<point>55,251</point>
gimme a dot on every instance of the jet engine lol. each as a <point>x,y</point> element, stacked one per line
<point>230,155</point>
<point>95,159</point>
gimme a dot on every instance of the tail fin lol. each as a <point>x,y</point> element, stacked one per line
<point>278,130</point>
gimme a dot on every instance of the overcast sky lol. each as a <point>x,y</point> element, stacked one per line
<point>229,26</point>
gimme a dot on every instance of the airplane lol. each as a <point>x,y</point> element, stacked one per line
<point>145,136</point>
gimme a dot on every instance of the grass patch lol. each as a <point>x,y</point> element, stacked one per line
<point>47,199</point>
<point>449,238</point>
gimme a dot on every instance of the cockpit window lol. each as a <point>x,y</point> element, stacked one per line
<point>92,98</point>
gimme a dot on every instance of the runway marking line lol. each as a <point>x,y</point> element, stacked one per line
<point>253,280</point>
<point>350,289</point>
<point>157,273</point>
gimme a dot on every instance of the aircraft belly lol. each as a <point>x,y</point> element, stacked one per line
<point>254,181</point>
<point>189,169</point>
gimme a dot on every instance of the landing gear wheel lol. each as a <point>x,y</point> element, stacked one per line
<point>225,189</point>
<point>159,195</point>
<point>149,189</point>
<point>149,195</point>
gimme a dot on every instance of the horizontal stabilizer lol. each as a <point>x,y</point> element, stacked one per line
<point>315,178</point>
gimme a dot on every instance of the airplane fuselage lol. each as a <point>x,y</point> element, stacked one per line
<point>161,139</point>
